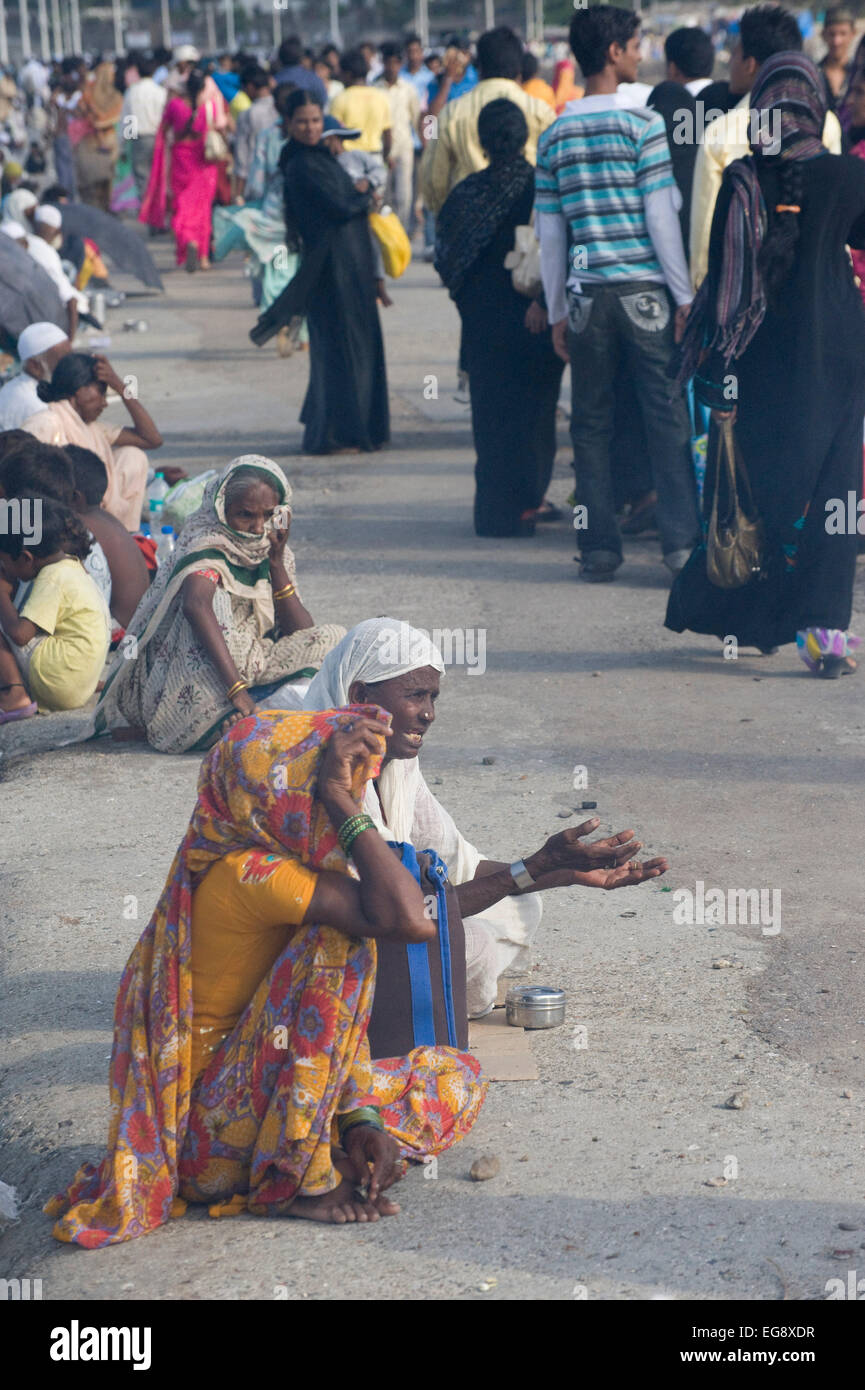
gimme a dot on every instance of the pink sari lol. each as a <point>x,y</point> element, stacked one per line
<point>191,178</point>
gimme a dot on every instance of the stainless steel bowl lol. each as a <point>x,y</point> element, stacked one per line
<point>535,1006</point>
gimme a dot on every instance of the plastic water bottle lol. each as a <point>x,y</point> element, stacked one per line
<point>165,548</point>
<point>155,509</point>
<point>157,491</point>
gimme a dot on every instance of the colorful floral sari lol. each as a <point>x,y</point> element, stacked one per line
<point>258,1126</point>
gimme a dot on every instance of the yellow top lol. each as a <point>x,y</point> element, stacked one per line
<point>454,151</point>
<point>65,667</point>
<point>366,109</point>
<point>240,102</point>
<point>243,913</point>
<point>725,139</point>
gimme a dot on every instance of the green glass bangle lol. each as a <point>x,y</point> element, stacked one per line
<point>350,829</point>
<point>367,1115</point>
<point>344,834</point>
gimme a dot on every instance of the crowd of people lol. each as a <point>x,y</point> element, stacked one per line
<point>687,247</point>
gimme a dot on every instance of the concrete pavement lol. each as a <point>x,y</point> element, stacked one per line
<point>745,773</point>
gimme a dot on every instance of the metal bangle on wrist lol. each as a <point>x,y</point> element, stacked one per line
<point>520,874</point>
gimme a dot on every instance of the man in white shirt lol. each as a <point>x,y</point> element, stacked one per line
<point>47,222</point>
<point>405,120</point>
<point>40,348</point>
<point>143,105</point>
<point>763,30</point>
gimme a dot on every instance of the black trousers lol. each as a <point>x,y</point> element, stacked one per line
<point>628,325</point>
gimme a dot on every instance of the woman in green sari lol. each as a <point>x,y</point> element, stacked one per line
<point>223,626</point>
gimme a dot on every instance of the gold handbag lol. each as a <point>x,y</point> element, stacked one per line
<point>216,149</point>
<point>734,543</point>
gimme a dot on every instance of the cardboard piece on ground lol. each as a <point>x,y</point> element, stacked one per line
<point>503,1052</point>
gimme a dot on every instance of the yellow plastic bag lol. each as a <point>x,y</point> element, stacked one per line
<point>394,243</point>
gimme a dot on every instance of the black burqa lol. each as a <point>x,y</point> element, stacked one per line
<point>801,401</point>
<point>514,375</point>
<point>346,402</point>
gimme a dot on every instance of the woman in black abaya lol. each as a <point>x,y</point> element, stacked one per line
<point>346,404</point>
<point>514,374</point>
<point>779,313</point>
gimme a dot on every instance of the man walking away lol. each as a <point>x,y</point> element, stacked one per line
<point>611,255</point>
<point>143,105</point>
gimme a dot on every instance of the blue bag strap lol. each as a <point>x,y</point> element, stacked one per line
<point>440,869</point>
<point>420,981</point>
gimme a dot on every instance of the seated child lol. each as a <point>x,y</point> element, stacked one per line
<point>45,470</point>
<point>129,577</point>
<point>53,651</point>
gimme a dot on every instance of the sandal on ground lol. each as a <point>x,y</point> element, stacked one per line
<point>10,716</point>
<point>827,651</point>
<point>547,511</point>
<point>598,566</point>
<point>834,666</point>
<point>288,337</point>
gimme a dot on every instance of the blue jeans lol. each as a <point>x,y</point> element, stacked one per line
<point>628,323</point>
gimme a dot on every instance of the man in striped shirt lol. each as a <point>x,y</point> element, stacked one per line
<point>611,260</point>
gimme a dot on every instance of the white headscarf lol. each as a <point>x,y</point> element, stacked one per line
<point>17,204</point>
<point>378,650</point>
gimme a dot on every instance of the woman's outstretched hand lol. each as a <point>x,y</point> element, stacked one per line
<point>607,863</point>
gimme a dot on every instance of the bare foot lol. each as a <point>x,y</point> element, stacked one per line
<point>129,735</point>
<point>343,1205</point>
<point>13,697</point>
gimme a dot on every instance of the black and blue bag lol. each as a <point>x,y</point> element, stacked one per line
<point>420,989</point>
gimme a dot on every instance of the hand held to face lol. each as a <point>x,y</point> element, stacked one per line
<point>106,373</point>
<point>350,747</point>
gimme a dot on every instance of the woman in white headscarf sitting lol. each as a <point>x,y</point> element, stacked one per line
<point>388,663</point>
<point>220,626</point>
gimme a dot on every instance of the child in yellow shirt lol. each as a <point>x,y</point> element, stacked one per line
<point>53,651</point>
